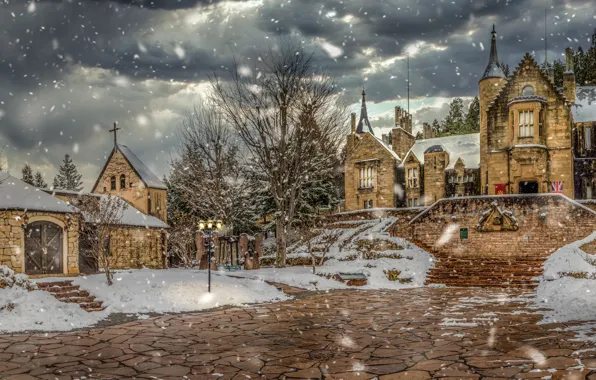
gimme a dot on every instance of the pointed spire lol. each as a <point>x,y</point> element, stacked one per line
<point>364,117</point>
<point>493,69</point>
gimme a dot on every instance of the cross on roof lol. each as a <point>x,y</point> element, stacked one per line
<point>115,130</point>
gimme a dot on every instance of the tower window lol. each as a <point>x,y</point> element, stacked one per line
<point>528,91</point>
<point>113,183</point>
<point>526,124</point>
<point>148,205</point>
<point>588,137</point>
<point>122,181</point>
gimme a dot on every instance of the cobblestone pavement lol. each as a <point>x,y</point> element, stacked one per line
<point>410,334</point>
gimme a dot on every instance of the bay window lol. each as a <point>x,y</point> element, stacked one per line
<point>526,123</point>
<point>412,177</point>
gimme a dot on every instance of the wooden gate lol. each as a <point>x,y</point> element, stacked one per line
<point>43,248</point>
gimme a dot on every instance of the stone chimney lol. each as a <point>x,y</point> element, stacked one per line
<point>569,76</point>
<point>401,136</point>
<point>436,161</point>
<point>427,131</point>
<point>353,122</point>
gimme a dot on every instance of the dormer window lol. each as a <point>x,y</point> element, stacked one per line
<point>526,123</point>
<point>413,177</point>
<point>528,91</point>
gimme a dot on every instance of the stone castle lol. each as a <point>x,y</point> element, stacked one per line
<point>534,138</point>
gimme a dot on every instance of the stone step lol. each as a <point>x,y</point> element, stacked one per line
<point>92,305</point>
<point>78,299</point>
<point>489,272</point>
<point>70,294</point>
<point>59,289</point>
<point>44,285</point>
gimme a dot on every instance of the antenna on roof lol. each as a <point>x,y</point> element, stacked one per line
<point>408,65</point>
<point>545,45</point>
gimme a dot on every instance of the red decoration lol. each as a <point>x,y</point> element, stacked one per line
<point>501,189</point>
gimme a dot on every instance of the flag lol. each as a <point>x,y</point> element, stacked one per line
<point>500,189</point>
<point>557,186</point>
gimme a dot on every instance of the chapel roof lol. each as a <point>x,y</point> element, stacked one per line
<point>18,195</point>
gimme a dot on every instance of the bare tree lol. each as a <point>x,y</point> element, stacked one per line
<point>103,216</point>
<point>323,239</point>
<point>181,238</point>
<point>287,112</point>
<point>208,176</point>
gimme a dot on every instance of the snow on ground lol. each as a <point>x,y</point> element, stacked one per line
<point>347,251</point>
<point>24,308</point>
<point>134,291</point>
<point>568,285</point>
<point>174,290</point>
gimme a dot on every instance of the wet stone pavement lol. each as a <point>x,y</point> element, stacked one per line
<point>448,333</point>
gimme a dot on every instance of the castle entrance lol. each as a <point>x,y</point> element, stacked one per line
<point>528,187</point>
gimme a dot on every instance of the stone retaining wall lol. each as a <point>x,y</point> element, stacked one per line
<point>137,247</point>
<point>546,223</point>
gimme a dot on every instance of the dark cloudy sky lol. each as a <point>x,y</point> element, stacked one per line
<point>69,69</point>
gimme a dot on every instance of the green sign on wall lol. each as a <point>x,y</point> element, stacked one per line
<point>463,233</point>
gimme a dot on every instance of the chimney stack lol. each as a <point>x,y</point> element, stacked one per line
<point>353,122</point>
<point>569,76</point>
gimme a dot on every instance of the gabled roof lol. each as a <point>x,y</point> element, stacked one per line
<point>584,109</point>
<point>466,147</point>
<point>149,179</point>
<point>528,60</point>
<point>364,123</point>
<point>379,141</point>
<point>18,195</point>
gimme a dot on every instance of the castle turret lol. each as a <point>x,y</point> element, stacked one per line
<point>569,76</point>
<point>402,139</point>
<point>490,85</point>
<point>436,160</point>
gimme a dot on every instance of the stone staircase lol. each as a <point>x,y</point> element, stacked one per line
<point>487,271</point>
<point>65,291</point>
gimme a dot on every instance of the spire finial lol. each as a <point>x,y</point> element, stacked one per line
<point>494,32</point>
<point>115,130</point>
<point>363,93</point>
<point>364,117</point>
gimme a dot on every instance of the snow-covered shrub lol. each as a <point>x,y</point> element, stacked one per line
<point>9,279</point>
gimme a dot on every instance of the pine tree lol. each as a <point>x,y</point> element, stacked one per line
<point>579,58</point>
<point>454,121</point>
<point>473,116</point>
<point>38,181</point>
<point>27,175</point>
<point>68,177</point>
<point>436,127</point>
<point>590,63</point>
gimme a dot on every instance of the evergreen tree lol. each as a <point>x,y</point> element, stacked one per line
<point>579,58</point>
<point>505,68</point>
<point>38,181</point>
<point>590,63</point>
<point>68,177</point>
<point>419,135</point>
<point>436,127</point>
<point>27,175</point>
<point>454,121</point>
<point>473,117</point>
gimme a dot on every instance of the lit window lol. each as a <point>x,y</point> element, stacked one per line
<point>588,137</point>
<point>412,177</point>
<point>526,123</point>
<point>366,177</point>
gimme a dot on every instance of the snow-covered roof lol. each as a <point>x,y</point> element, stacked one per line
<point>133,217</point>
<point>584,109</point>
<point>18,195</point>
<point>147,176</point>
<point>466,147</point>
<point>130,217</point>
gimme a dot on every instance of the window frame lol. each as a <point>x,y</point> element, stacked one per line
<point>122,181</point>
<point>588,138</point>
<point>113,183</point>
<point>526,123</point>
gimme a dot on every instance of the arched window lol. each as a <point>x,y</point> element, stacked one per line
<point>113,183</point>
<point>527,90</point>
<point>122,182</point>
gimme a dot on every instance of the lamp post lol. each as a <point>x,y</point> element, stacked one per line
<point>207,228</point>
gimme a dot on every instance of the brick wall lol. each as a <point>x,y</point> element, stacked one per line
<point>565,221</point>
<point>12,238</point>
<point>136,247</point>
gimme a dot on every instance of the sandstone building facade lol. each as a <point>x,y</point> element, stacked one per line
<point>534,138</point>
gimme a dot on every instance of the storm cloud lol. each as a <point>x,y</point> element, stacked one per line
<point>70,69</point>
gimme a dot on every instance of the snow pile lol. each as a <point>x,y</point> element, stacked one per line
<point>568,285</point>
<point>22,307</point>
<point>174,290</point>
<point>359,246</point>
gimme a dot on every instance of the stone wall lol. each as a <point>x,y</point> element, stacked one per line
<point>12,238</point>
<point>434,176</point>
<point>137,247</point>
<point>546,223</point>
<point>366,151</point>
<point>402,142</point>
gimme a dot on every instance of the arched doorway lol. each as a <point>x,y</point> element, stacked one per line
<point>43,248</point>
